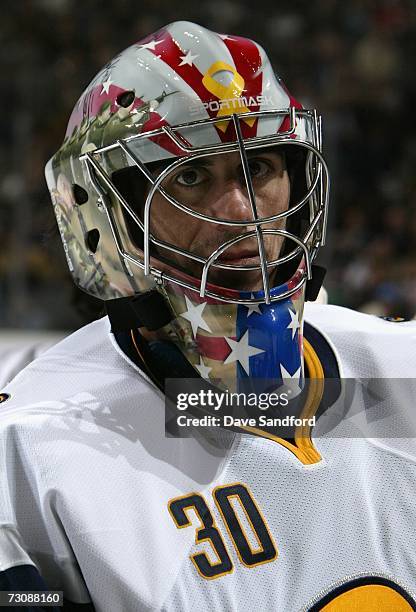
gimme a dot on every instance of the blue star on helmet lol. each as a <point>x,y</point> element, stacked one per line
<point>253,308</point>
<point>294,324</point>
<point>291,381</point>
<point>241,351</point>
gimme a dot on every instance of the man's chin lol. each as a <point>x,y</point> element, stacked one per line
<point>237,281</point>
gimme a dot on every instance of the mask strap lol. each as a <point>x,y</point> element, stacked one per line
<point>314,284</point>
<point>148,309</point>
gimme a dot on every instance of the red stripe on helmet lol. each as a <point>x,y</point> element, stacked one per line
<point>154,122</point>
<point>293,103</point>
<point>247,60</point>
<point>213,348</point>
<point>171,54</point>
<point>93,102</point>
<point>193,295</point>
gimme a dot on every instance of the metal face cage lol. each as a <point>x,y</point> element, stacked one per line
<point>316,197</point>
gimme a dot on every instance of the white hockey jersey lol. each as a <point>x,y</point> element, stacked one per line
<point>111,511</point>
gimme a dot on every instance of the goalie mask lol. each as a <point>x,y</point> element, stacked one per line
<point>157,147</point>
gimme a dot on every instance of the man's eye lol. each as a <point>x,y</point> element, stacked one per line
<point>258,168</point>
<point>190,178</point>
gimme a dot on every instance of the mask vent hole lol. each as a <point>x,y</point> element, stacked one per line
<point>92,239</point>
<point>80,195</point>
<point>126,98</point>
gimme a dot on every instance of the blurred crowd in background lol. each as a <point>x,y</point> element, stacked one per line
<point>353,61</point>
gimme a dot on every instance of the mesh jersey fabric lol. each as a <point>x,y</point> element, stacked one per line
<point>87,476</point>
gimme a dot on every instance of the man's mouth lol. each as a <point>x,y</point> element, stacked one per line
<point>242,256</point>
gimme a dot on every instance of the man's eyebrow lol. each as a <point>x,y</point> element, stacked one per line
<point>157,168</point>
<point>209,161</point>
<point>200,161</point>
<point>264,150</point>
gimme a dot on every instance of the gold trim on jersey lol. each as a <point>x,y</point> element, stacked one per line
<point>267,550</point>
<point>369,597</point>
<point>140,354</point>
<point>253,528</point>
<point>303,448</point>
<point>200,540</point>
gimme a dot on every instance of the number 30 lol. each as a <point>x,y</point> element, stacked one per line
<point>264,552</point>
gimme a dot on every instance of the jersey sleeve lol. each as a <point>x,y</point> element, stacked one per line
<point>33,552</point>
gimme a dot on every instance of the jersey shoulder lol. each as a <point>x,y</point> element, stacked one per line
<point>339,317</point>
<point>84,370</point>
<point>367,346</point>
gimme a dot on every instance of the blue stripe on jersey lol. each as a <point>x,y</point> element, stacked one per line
<point>323,349</point>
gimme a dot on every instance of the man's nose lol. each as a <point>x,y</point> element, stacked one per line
<point>233,203</point>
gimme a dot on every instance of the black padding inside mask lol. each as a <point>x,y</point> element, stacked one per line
<point>134,187</point>
<point>299,222</point>
<point>131,183</point>
<point>315,283</point>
